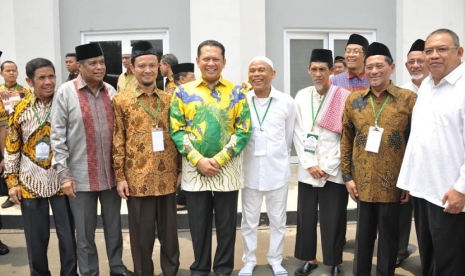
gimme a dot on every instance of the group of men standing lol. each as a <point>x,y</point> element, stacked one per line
<point>87,143</point>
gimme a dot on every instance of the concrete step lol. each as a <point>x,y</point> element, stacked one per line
<point>11,217</point>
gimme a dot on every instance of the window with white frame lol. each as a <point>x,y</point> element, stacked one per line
<point>298,46</point>
<point>112,43</point>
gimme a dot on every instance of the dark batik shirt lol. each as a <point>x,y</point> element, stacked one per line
<point>375,174</point>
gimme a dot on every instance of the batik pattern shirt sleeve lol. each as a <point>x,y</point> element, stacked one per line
<point>36,178</point>
<point>147,173</point>
<point>212,123</point>
<point>375,174</point>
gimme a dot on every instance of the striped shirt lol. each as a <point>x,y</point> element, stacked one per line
<point>82,135</point>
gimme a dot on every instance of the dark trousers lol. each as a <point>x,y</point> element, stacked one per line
<point>441,239</point>
<point>200,207</point>
<point>373,219</point>
<point>332,201</point>
<point>36,220</point>
<point>84,208</point>
<point>147,214</point>
<point>405,225</point>
<point>181,197</point>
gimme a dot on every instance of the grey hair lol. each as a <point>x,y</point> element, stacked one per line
<point>171,59</point>
<point>454,36</point>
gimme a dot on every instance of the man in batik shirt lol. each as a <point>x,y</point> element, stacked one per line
<point>33,183</point>
<point>147,164</point>
<point>9,72</point>
<point>376,127</point>
<point>210,125</point>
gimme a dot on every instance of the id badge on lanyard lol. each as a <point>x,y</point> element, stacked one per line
<point>374,139</point>
<point>311,143</point>
<point>42,150</point>
<point>157,139</point>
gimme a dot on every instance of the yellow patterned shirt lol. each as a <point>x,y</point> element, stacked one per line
<point>126,81</point>
<point>212,123</point>
<point>15,88</point>
<point>36,178</point>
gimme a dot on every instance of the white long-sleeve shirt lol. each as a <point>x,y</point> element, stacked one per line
<point>434,160</point>
<point>272,171</point>
<point>328,154</point>
<point>410,86</point>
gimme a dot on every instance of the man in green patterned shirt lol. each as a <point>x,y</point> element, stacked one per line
<point>210,125</point>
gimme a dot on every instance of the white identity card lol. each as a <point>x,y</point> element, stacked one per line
<point>157,140</point>
<point>374,139</point>
<point>42,150</point>
<point>311,143</point>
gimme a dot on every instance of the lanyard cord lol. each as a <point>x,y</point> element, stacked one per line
<point>148,111</point>
<point>381,110</point>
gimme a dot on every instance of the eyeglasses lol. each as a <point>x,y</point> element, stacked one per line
<point>418,61</point>
<point>439,50</point>
<point>355,52</point>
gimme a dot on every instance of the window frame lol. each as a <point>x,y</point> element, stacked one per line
<point>126,37</point>
<point>327,35</point>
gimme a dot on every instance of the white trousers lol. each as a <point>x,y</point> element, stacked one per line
<point>276,203</point>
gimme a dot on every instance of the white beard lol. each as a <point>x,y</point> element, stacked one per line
<point>417,77</point>
<point>318,87</point>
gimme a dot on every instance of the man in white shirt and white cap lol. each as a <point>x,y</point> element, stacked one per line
<point>433,169</point>
<point>266,165</point>
<point>126,79</point>
<point>317,137</point>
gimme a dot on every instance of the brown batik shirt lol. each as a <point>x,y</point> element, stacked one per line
<point>147,173</point>
<point>375,174</point>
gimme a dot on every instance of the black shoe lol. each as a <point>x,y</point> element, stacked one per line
<point>7,203</point>
<point>3,249</point>
<point>222,274</point>
<point>305,269</point>
<point>337,271</point>
<point>410,251</point>
<point>127,273</point>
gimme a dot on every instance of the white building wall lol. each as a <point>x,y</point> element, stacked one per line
<point>238,24</point>
<point>418,18</point>
<point>30,29</point>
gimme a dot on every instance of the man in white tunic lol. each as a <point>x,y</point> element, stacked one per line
<point>317,139</point>
<point>433,169</point>
<point>266,165</point>
<point>416,66</point>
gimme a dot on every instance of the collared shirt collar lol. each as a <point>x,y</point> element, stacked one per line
<point>81,83</point>
<point>128,72</point>
<point>455,75</point>
<point>200,81</point>
<point>13,86</point>
<point>391,89</point>
<point>361,76</point>
<point>40,104</point>
<point>273,93</point>
<point>139,91</point>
